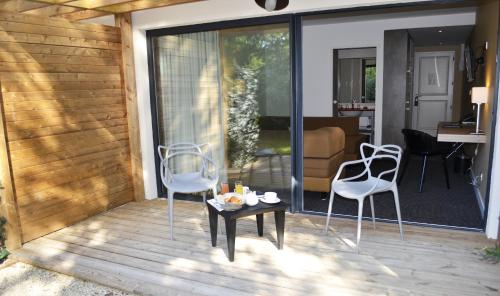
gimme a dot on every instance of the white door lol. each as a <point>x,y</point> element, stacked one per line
<point>432,90</point>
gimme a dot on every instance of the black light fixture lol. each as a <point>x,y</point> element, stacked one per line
<point>272,5</point>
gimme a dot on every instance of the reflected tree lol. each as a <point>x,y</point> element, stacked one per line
<point>243,126</point>
<point>257,77</point>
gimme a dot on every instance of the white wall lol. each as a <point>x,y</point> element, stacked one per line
<point>320,37</point>
<point>494,202</point>
<point>197,13</point>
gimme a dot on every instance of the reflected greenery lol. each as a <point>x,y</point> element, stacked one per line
<point>265,54</point>
<point>370,78</point>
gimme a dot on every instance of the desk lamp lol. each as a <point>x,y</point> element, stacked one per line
<point>479,95</point>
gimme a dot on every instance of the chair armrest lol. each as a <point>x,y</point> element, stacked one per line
<point>344,165</point>
<point>206,160</point>
<point>165,173</point>
<point>160,148</point>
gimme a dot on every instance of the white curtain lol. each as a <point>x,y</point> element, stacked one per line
<point>189,94</point>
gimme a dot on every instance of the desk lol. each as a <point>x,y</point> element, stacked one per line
<point>458,135</point>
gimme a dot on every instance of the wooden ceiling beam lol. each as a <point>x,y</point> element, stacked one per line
<point>95,4</point>
<point>75,10</point>
<point>141,5</point>
<point>20,5</point>
<point>24,5</point>
<point>52,10</point>
<point>52,1</point>
<point>116,6</point>
<point>84,14</point>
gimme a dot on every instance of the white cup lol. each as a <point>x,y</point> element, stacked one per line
<point>270,196</point>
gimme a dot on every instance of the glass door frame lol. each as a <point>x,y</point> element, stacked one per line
<point>296,120</point>
<point>295,35</point>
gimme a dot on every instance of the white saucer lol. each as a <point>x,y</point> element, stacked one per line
<point>277,200</point>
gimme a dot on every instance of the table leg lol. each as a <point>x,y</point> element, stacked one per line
<point>213,217</point>
<point>231,237</point>
<point>279,218</point>
<point>260,224</point>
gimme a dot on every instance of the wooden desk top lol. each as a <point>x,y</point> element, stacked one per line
<point>460,134</point>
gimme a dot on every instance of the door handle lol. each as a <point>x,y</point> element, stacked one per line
<point>415,101</point>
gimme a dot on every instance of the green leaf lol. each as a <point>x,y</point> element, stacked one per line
<point>3,253</point>
<point>492,254</point>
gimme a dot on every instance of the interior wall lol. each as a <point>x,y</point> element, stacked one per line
<point>321,36</point>
<point>396,50</point>
<point>486,30</point>
<point>458,86</point>
<point>66,120</point>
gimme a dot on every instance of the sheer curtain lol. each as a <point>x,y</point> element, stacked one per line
<point>189,94</point>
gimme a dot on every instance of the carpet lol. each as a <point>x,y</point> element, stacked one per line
<point>435,205</point>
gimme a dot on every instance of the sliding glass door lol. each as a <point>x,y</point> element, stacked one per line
<point>229,88</point>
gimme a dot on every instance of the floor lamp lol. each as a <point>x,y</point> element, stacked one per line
<point>479,95</point>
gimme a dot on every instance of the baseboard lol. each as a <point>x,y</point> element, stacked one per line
<point>477,192</point>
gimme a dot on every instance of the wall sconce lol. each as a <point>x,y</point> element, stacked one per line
<point>479,95</point>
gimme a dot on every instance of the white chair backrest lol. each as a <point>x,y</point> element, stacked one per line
<point>178,150</point>
<point>163,151</point>
<point>392,152</point>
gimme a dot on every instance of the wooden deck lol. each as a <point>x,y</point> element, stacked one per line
<point>128,248</point>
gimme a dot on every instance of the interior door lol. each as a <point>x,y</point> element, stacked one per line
<point>433,90</point>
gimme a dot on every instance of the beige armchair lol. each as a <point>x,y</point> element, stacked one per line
<point>323,154</point>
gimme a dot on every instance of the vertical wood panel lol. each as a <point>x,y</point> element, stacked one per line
<point>125,23</point>
<point>65,123</point>
<point>8,204</point>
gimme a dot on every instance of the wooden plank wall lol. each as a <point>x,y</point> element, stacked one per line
<point>66,120</point>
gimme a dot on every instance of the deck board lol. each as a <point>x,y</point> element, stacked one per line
<point>128,248</point>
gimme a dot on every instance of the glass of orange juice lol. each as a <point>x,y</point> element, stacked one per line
<point>224,188</point>
<point>238,187</point>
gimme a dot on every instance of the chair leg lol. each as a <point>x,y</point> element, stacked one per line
<point>205,210</point>
<point>360,218</point>
<point>398,210</point>
<point>422,177</point>
<point>406,161</point>
<point>171,213</point>
<point>214,190</point>
<point>373,210</point>
<point>446,173</point>
<point>332,196</point>
<point>270,160</point>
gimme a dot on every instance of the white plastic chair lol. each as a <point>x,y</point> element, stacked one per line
<point>202,180</point>
<point>353,188</point>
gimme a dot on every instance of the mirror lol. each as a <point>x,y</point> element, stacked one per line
<point>355,70</point>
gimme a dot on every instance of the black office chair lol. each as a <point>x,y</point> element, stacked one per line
<point>424,145</point>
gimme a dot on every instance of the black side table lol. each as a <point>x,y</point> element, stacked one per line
<point>258,210</point>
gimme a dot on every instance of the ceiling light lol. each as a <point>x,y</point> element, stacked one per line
<point>440,31</point>
<point>272,5</point>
